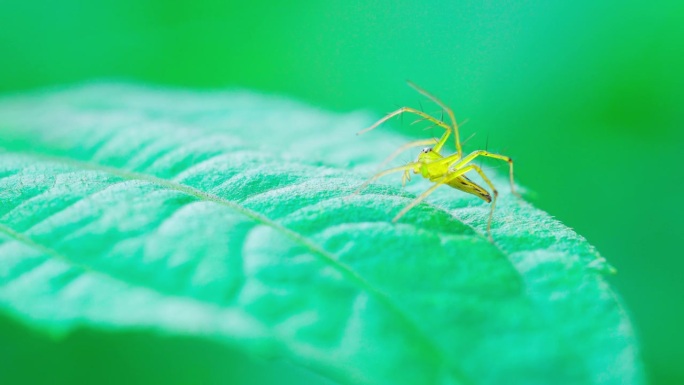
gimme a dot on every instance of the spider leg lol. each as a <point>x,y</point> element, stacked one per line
<point>406,177</point>
<point>495,194</point>
<point>407,167</point>
<point>438,146</point>
<point>411,111</point>
<point>463,161</point>
<point>445,108</point>
<point>407,146</point>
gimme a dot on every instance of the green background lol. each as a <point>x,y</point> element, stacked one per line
<point>587,97</point>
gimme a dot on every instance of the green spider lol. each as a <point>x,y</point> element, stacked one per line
<point>442,170</point>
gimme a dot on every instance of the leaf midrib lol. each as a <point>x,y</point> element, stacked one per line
<point>322,254</point>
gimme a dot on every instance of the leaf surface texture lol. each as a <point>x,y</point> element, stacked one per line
<point>228,216</point>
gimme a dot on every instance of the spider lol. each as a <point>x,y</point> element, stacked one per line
<point>441,169</point>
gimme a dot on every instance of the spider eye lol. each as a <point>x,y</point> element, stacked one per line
<point>426,150</point>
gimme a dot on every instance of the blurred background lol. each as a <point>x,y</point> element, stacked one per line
<point>587,97</point>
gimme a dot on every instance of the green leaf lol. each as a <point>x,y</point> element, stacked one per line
<point>228,216</point>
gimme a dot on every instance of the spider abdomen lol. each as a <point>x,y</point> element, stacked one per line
<point>466,185</point>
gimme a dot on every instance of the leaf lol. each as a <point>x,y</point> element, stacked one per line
<point>228,216</point>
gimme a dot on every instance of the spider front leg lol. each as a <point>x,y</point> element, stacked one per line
<point>404,168</point>
<point>406,177</point>
<point>407,146</point>
<point>438,144</point>
<point>444,107</point>
<point>405,110</point>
